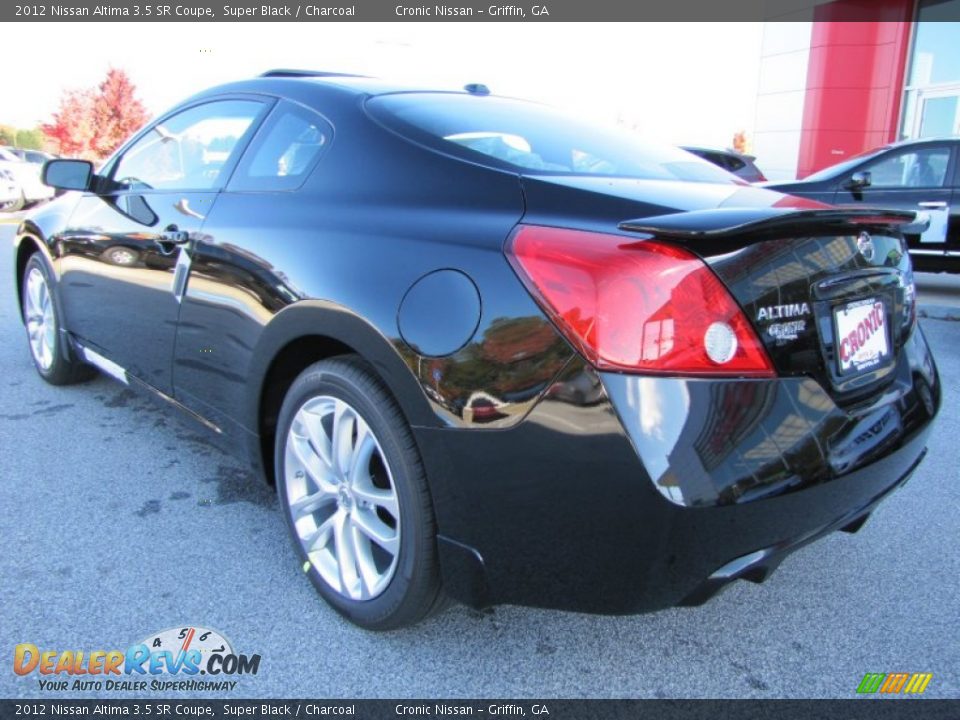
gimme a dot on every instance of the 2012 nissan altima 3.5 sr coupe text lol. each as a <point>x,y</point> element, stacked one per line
<point>486,351</point>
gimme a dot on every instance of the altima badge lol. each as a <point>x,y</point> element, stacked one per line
<point>865,245</point>
<point>782,312</point>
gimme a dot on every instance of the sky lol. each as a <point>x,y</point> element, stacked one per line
<point>680,83</point>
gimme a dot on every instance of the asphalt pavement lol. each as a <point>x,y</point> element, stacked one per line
<point>118,520</point>
<point>939,295</point>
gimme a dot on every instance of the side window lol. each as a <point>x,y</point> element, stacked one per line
<point>284,151</point>
<point>911,169</point>
<point>189,150</point>
<point>717,159</point>
<point>734,163</point>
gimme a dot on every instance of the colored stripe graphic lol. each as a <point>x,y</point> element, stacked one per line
<point>893,683</point>
<point>871,682</point>
<point>918,683</point>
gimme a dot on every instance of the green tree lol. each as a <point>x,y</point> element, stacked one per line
<point>30,139</point>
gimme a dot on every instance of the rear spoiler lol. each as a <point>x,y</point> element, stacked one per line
<point>728,222</point>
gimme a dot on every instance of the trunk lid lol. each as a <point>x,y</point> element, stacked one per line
<point>829,291</point>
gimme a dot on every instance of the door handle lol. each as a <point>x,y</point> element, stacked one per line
<point>939,205</point>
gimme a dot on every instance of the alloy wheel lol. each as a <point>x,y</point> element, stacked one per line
<point>341,498</point>
<point>41,323</point>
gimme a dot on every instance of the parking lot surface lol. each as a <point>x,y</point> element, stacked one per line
<point>939,293</point>
<point>119,520</point>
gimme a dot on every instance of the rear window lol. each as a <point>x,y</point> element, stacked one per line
<point>734,163</point>
<point>533,139</point>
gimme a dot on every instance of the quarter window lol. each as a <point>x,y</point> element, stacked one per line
<point>189,150</point>
<point>284,151</point>
<point>913,169</point>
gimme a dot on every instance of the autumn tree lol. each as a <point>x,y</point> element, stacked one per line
<point>117,113</point>
<point>740,142</point>
<point>71,129</point>
<point>92,123</point>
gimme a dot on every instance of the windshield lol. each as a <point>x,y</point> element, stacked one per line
<point>531,138</point>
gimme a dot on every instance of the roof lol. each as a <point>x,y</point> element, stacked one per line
<point>920,141</point>
<point>364,84</point>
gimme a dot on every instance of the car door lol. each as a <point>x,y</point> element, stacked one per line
<point>234,288</point>
<point>126,252</point>
<point>953,231</point>
<point>914,177</point>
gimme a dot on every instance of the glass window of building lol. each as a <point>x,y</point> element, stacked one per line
<point>932,99</point>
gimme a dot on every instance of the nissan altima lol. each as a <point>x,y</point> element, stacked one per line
<point>486,351</point>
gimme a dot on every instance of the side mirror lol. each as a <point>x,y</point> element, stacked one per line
<point>68,174</point>
<point>859,180</point>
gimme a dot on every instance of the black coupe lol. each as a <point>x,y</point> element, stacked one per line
<point>484,350</point>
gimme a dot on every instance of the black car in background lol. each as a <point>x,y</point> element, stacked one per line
<point>485,350</point>
<point>740,164</point>
<point>913,175</point>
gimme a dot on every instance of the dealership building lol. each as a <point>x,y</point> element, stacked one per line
<point>833,87</point>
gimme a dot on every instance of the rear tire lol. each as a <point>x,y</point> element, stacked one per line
<point>355,496</point>
<point>42,322</point>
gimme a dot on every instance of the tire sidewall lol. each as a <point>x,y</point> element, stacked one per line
<point>317,381</point>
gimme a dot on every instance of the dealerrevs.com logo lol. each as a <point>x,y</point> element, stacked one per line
<point>170,660</point>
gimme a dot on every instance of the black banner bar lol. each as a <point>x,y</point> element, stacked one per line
<point>859,709</point>
<point>443,11</point>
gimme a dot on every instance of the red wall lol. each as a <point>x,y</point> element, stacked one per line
<point>854,80</point>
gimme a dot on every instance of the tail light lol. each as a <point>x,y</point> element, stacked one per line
<point>637,306</point>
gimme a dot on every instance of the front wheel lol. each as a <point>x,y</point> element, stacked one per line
<point>43,328</point>
<point>355,496</point>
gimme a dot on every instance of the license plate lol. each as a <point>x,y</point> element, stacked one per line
<point>862,339</point>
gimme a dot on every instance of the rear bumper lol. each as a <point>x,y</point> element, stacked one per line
<point>760,564</point>
<point>663,491</point>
